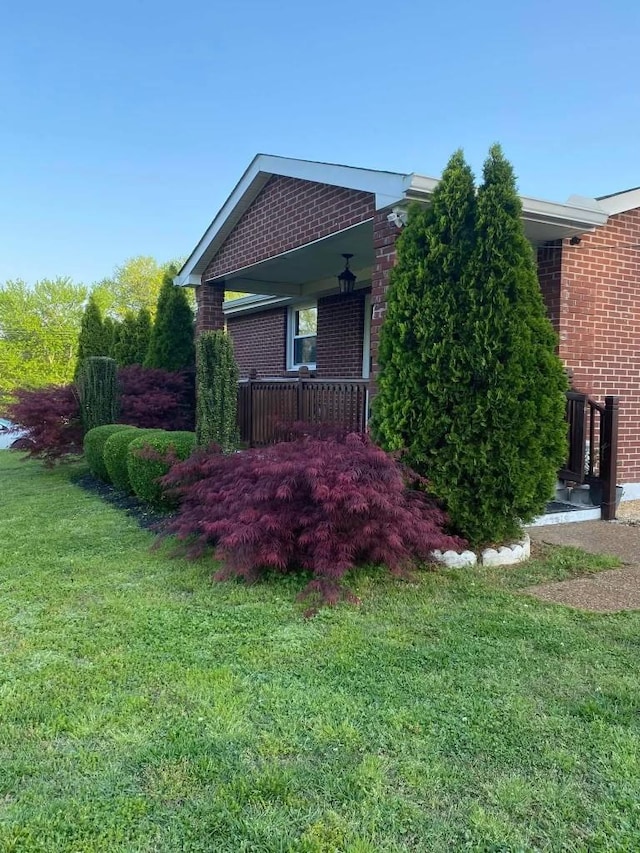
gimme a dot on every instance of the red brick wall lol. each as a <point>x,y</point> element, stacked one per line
<point>385,235</point>
<point>209,316</point>
<point>286,214</point>
<point>340,336</point>
<point>259,341</point>
<point>549,276</point>
<point>600,324</point>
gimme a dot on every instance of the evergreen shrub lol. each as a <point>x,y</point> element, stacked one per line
<point>470,385</point>
<point>94,442</point>
<point>150,457</point>
<point>171,345</point>
<point>217,391</point>
<point>98,391</point>
<point>115,456</point>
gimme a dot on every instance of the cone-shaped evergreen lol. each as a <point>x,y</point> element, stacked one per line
<point>171,345</point>
<point>98,392</point>
<point>518,382</point>
<point>421,352</point>
<point>111,329</point>
<point>126,349</point>
<point>144,327</point>
<point>216,391</point>
<point>92,341</point>
<point>132,346</point>
<point>470,382</point>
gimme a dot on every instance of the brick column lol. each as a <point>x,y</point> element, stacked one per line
<point>385,235</point>
<point>209,298</point>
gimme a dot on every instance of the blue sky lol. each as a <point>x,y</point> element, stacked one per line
<point>125,125</point>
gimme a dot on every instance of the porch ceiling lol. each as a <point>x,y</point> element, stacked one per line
<point>311,269</point>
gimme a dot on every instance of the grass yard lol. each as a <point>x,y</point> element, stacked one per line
<point>143,708</point>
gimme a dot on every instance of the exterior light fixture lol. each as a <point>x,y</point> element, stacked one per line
<point>346,279</point>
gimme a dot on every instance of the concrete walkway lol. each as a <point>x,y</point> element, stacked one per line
<point>603,592</point>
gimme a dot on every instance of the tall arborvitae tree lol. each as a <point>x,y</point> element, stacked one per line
<point>98,392</point>
<point>420,348</point>
<point>171,345</point>
<point>144,327</point>
<point>517,401</point>
<point>126,350</point>
<point>470,383</point>
<point>110,328</point>
<point>216,391</point>
<point>93,340</point>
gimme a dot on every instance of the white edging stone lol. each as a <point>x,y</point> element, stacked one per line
<point>504,556</point>
<point>455,559</point>
<point>507,555</point>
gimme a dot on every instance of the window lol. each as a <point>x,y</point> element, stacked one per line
<point>303,328</point>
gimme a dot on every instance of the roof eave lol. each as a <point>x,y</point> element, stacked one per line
<point>387,187</point>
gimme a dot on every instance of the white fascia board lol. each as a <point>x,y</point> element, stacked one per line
<point>387,187</point>
<point>621,203</point>
<point>384,185</point>
<point>584,213</point>
<point>187,281</point>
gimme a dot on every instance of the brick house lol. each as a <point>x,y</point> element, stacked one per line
<point>281,236</point>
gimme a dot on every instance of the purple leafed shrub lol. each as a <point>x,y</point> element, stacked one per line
<point>51,418</point>
<point>318,505</point>
<point>156,399</point>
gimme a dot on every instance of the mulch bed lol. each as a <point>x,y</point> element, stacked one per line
<point>146,517</point>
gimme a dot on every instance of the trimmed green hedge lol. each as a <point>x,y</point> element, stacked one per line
<point>150,457</point>
<point>94,442</point>
<point>115,455</point>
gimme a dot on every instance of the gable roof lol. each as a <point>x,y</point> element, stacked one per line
<point>543,218</point>
<point>620,202</point>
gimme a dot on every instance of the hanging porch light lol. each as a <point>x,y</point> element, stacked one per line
<point>346,279</point>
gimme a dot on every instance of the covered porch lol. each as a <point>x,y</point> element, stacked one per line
<point>281,238</point>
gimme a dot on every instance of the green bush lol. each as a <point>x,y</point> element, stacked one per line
<point>98,391</point>
<point>94,442</point>
<point>115,455</point>
<point>150,457</point>
<point>217,391</point>
<point>470,383</point>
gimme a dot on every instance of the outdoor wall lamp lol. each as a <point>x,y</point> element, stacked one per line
<point>346,279</point>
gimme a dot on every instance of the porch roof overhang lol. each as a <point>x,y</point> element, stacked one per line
<point>311,268</point>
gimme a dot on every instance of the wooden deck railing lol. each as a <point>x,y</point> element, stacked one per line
<point>266,406</point>
<point>593,446</point>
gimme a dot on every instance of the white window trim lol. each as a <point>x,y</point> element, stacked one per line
<point>300,306</point>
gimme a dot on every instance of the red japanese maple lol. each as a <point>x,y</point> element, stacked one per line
<point>320,505</point>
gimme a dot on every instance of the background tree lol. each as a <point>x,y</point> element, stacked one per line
<point>171,345</point>
<point>93,340</point>
<point>144,328</point>
<point>133,342</point>
<point>39,328</point>
<point>469,380</point>
<point>111,330</point>
<point>134,285</point>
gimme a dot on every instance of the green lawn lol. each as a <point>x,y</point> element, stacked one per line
<point>143,708</point>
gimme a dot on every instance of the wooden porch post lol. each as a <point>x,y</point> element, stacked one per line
<point>609,462</point>
<point>253,375</point>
